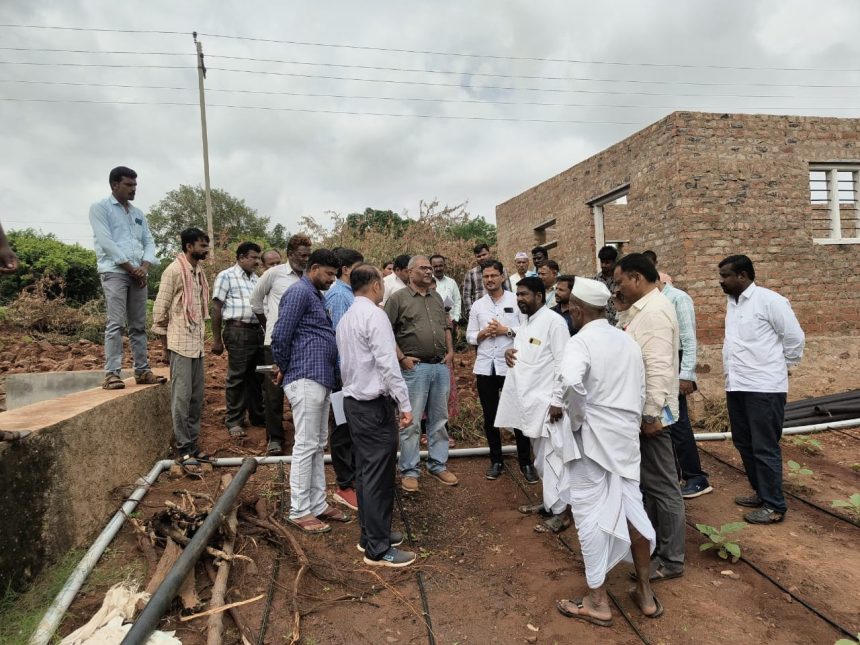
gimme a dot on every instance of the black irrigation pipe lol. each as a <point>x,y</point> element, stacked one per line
<point>846,434</point>
<point>823,509</point>
<point>276,567</point>
<point>565,543</point>
<point>793,596</point>
<point>419,576</point>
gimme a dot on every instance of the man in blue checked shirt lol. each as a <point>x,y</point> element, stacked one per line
<point>125,250</point>
<point>337,300</point>
<point>305,353</point>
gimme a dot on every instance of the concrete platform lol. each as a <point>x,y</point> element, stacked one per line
<point>60,485</point>
<point>24,389</point>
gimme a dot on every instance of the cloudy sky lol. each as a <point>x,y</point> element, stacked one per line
<point>382,104</point>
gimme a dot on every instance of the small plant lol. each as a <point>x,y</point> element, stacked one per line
<point>796,471</point>
<point>807,444</point>
<point>719,539</point>
<point>852,504</point>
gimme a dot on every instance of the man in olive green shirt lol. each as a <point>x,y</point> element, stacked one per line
<point>425,351</point>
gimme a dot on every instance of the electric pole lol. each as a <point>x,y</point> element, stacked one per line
<point>201,74</point>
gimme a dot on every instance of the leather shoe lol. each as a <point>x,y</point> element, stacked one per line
<point>530,474</point>
<point>494,471</point>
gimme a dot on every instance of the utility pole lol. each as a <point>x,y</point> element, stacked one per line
<point>201,74</point>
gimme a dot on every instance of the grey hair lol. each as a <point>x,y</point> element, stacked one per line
<point>414,260</point>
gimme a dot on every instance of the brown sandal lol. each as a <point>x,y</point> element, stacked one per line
<point>309,524</point>
<point>113,382</point>
<point>149,378</point>
<point>334,514</point>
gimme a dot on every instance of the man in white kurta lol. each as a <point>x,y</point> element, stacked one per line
<point>602,380</point>
<point>532,364</point>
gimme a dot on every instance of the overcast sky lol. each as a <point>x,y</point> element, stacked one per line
<point>286,164</point>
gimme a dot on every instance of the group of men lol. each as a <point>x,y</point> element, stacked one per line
<point>590,374</point>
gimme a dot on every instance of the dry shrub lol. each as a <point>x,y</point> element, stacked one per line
<point>468,425</point>
<point>37,310</point>
<point>715,416</point>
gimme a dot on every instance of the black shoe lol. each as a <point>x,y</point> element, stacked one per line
<point>764,515</point>
<point>750,501</point>
<point>394,539</point>
<point>494,471</point>
<point>530,474</point>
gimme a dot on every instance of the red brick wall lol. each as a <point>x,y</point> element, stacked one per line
<point>704,186</point>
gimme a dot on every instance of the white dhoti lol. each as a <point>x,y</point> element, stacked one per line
<point>602,504</point>
<point>550,470</point>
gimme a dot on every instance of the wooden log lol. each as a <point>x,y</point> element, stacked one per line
<point>219,589</point>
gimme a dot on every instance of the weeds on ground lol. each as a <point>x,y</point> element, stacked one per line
<point>852,504</point>
<point>719,539</point>
<point>468,425</point>
<point>807,444</point>
<point>798,472</point>
<point>715,417</point>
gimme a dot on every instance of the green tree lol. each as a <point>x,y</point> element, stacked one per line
<point>475,229</point>
<point>387,222</point>
<point>233,219</point>
<point>278,237</point>
<point>70,268</point>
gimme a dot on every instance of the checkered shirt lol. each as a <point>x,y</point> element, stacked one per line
<point>233,287</point>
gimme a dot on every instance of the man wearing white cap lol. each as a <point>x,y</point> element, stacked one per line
<point>602,379</point>
<point>521,261</point>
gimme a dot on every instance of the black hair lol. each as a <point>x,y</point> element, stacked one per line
<point>119,172</point>
<point>540,249</point>
<point>607,253</point>
<point>192,235</point>
<point>553,265</point>
<point>436,255</point>
<point>739,264</point>
<point>386,263</point>
<point>638,263</point>
<point>533,284</point>
<point>566,278</point>
<point>651,256</point>
<point>363,276</point>
<point>324,258</point>
<point>347,257</point>
<point>494,264</point>
<point>246,247</point>
<point>402,262</point>
<point>480,247</point>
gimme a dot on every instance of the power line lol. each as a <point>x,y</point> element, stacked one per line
<point>42,64</point>
<point>316,111</point>
<point>538,59</point>
<point>92,51</point>
<point>408,98</point>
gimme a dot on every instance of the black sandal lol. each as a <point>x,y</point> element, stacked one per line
<point>190,465</point>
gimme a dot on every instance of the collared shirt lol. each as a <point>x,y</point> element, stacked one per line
<point>419,323</point>
<point>473,287</point>
<point>567,318</point>
<point>490,358</point>
<point>368,355</point>
<point>686,314</point>
<point>654,325</point>
<point>233,287</point>
<point>267,294</point>
<point>763,339</point>
<point>603,380</point>
<point>120,236</point>
<point>447,288</point>
<point>337,300</point>
<point>531,384</point>
<point>185,337</point>
<point>516,277</point>
<point>303,340</point>
<point>611,314</point>
<point>550,297</point>
<point>391,284</point>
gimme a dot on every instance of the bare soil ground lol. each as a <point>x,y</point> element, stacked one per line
<point>489,578</point>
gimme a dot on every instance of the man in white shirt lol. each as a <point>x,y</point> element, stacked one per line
<point>521,262</point>
<point>549,274</point>
<point>398,279</point>
<point>530,386</point>
<point>763,339</point>
<point>603,391</point>
<point>373,389</point>
<point>265,300</point>
<point>653,324</point>
<point>447,288</point>
<point>493,321</point>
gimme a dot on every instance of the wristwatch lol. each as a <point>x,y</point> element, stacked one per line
<point>648,419</point>
<point>511,333</point>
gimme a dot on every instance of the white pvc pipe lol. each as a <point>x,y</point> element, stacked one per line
<point>816,427</point>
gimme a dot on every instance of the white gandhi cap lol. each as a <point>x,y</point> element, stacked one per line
<point>591,292</point>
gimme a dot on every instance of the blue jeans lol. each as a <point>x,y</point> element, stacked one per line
<point>428,389</point>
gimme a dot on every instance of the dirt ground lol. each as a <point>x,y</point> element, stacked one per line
<point>490,578</point>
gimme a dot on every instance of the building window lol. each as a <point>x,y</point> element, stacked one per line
<point>833,193</point>
<point>617,196</point>
<point>545,234</point>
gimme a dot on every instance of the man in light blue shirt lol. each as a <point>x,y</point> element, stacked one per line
<point>124,250</point>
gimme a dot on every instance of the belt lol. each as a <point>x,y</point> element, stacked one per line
<point>239,323</point>
<point>432,361</point>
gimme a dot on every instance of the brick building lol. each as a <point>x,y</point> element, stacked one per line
<point>696,187</point>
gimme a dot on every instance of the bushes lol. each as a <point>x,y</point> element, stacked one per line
<point>34,311</point>
<point>69,269</point>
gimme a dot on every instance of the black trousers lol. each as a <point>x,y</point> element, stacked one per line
<point>686,452</point>
<point>244,385</point>
<point>756,419</point>
<point>342,458</point>
<point>489,392</point>
<point>375,431</point>
<point>274,399</point>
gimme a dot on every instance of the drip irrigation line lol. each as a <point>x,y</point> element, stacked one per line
<point>276,567</point>
<point>419,576</point>
<point>847,434</point>
<point>823,509</point>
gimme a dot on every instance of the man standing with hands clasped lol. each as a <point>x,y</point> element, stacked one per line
<point>373,390</point>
